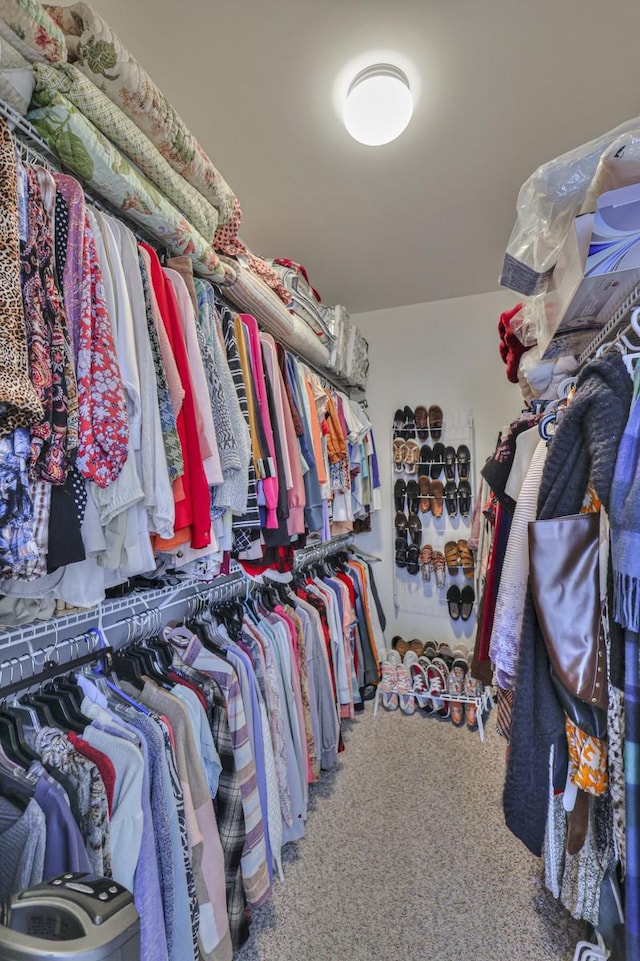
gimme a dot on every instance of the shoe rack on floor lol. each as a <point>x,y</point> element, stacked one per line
<point>411,592</point>
<point>483,703</point>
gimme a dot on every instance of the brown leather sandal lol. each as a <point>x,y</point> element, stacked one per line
<point>452,557</point>
<point>422,422</point>
<point>424,500</point>
<point>466,559</point>
<point>437,492</point>
<point>436,418</point>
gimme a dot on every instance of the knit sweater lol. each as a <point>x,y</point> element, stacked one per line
<point>584,447</point>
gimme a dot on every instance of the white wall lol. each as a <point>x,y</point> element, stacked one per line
<point>444,353</point>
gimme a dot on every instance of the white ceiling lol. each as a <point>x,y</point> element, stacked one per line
<point>504,85</point>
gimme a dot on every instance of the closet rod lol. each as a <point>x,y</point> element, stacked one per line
<point>53,669</point>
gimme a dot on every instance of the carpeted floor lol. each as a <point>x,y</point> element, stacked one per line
<point>407,857</point>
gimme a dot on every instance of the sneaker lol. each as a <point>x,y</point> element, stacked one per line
<point>388,687</point>
<point>420,684</point>
<point>404,688</point>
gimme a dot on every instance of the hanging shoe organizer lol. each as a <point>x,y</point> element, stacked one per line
<point>433,490</point>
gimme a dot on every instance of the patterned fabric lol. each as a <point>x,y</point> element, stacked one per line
<point>100,54</point>
<point>20,405</point>
<point>18,547</point>
<point>227,802</point>
<point>587,760</point>
<point>85,151</point>
<point>632,792</point>
<point>41,498</point>
<point>61,237</point>
<point>16,77</point>
<point>104,422</point>
<point>127,137</point>
<point>54,441</point>
<point>170,438</point>
<point>28,27</point>
<point>56,751</point>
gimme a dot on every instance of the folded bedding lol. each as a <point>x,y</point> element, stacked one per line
<point>250,294</point>
<point>102,167</point>
<point>27,26</point>
<point>16,77</point>
<point>127,137</point>
<point>102,57</point>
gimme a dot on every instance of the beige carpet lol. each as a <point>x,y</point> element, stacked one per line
<point>407,857</point>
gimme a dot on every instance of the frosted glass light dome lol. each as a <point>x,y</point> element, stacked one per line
<point>379,105</point>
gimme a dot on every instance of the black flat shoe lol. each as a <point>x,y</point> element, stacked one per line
<point>437,461</point>
<point>453,602</point>
<point>412,497</point>
<point>450,463</point>
<point>451,498</point>
<point>467,600</point>
<point>464,497</point>
<point>463,456</point>
<point>399,492</point>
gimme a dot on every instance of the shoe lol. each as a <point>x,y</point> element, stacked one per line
<point>437,461</point>
<point>435,422</point>
<point>451,498</point>
<point>399,645</point>
<point>438,680</point>
<point>426,558</point>
<point>402,545</point>
<point>388,687</point>
<point>439,568</point>
<point>454,602</point>
<point>466,559</point>
<point>411,457</point>
<point>399,453</point>
<point>409,423</point>
<point>413,558</point>
<point>424,493</point>
<point>426,458</point>
<point>420,685</point>
<point>422,422</point>
<point>401,523</point>
<point>399,493</point>
<point>417,646</point>
<point>463,457</point>
<point>452,557</point>
<point>467,600</point>
<point>410,658</point>
<point>445,652</point>
<point>457,676</point>
<point>437,493</point>
<point>412,497</point>
<point>464,497</point>
<point>398,424</point>
<point>450,463</point>
<point>404,687</point>
<point>472,688</point>
<point>415,531</point>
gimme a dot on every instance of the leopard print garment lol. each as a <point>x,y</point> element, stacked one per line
<point>19,402</point>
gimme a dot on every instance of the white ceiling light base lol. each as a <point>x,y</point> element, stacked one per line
<point>379,105</point>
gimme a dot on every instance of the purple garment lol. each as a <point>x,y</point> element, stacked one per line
<point>65,850</point>
<point>73,280</point>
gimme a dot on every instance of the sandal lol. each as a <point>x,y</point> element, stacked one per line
<point>411,457</point>
<point>464,497</point>
<point>450,463</point>
<point>457,676</point>
<point>422,422</point>
<point>399,491</point>
<point>452,557</point>
<point>453,602</point>
<point>415,532</point>
<point>413,559</point>
<point>399,453</point>
<point>424,491</point>
<point>467,600</point>
<point>412,497</point>
<point>435,422</point>
<point>439,567</point>
<point>401,551</point>
<point>466,559</point>
<point>463,456</point>
<point>451,498</point>
<point>426,556</point>
<point>437,493</point>
<point>437,460</point>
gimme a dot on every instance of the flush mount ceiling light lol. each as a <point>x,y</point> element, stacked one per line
<point>379,105</point>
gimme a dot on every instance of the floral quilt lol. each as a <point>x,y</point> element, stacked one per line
<point>127,137</point>
<point>27,26</point>
<point>94,159</point>
<point>16,77</point>
<point>100,54</point>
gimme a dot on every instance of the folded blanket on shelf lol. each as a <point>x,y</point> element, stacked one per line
<point>305,300</point>
<point>100,54</point>
<point>85,151</point>
<point>27,26</point>
<point>127,137</point>
<point>250,294</point>
<point>16,78</point>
